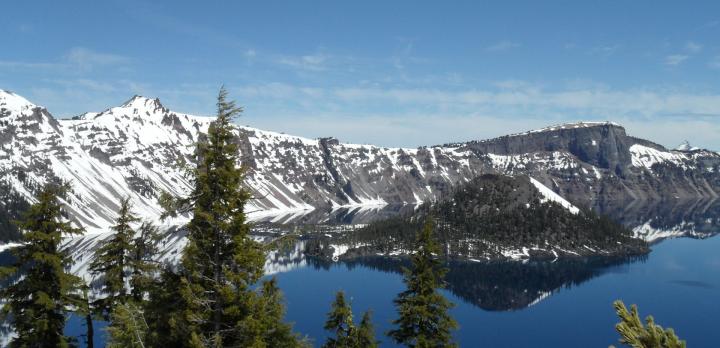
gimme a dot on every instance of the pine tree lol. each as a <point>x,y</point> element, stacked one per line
<point>111,260</point>
<point>221,262</point>
<point>365,334</point>
<point>141,264</point>
<point>273,331</point>
<point>424,320</point>
<point>129,329</point>
<point>37,303</point>
<point>86,309</point>
<point>164,311</point>
<point>634,334</point>
<point>340,323</point>
<point>347,335</point>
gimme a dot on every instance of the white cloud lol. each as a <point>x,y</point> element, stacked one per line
<point>530,100</point>
<point>676,59</point>
<point>715,63</point>
<point>693,47</point>
<point>250,53</point>
<point>28,65</point>
<point>76,59</point>
<point>605,50</point>
<point>312,62</point>
<point>87,59</point>
<point>502,46</point>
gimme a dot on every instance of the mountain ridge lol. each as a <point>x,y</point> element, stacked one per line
<point>141,148</point>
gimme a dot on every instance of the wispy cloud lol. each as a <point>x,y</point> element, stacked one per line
<point>9,64</point>
<point>715,63</point>
<point>503,46</point>
<point>605,50</point>
<point>676,59</point>
<point>87,59</point>
<point>430,116</point>
<point>312,62</point>
<point>77,59</point>
<point>693,47</point>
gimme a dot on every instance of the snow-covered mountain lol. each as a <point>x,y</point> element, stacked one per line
<point>141,148</point>
<point>685,146</point>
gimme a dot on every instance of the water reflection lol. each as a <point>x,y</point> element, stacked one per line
<point>336,216</point>
<point>653,220</point>
<point>658,220</point>
<point>505,286</point>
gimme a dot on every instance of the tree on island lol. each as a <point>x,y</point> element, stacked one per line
<point>37,303</point>
<point>424,321</point>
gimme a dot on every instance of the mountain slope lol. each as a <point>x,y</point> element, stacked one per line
<point>142,148</point>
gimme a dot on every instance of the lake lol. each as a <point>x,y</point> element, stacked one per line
<point>678,283</point>
<point>566,303</point>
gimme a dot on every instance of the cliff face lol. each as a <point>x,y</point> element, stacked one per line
<point>597,161</point>
<point>141,148</point>
<point>601,144</point>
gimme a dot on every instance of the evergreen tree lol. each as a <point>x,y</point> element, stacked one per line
<point>221,262</point>
<point>365,334</point>
<point>111,259</point>
<point>129,329</point>
<point>274,332</point>
<point>347,335</point>
<point>340,323</point>
<point>36,303</point>
<point>141,264</point>
<point>164,312</point>
<point>424,320</point>
<point>634,334</point>
<point>87,310</point>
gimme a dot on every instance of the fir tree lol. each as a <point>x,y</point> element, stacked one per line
<point>129,329</point>
<point>164,311</point>
<point>141,264</point>
<point>221,262</point>
<point>274,331</point>
<point>37,303</point>
<point>87,311</point>
<point>424,320</point>
<point>634,334</point>
<point>346,334</point>
<point>111,259</point>
<point>365,334</point>
<point>340,323</point>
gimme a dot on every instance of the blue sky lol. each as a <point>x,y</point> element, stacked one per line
<point>395,73</point>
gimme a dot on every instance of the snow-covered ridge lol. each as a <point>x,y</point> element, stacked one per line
<point>562,126</point>
<point>646,157</point>
<point>685,146</point>
<point>140,149</point>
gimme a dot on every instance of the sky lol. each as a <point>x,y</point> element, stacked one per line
<point>391,73</point>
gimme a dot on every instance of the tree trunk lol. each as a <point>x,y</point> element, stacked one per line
<point>217,315</point>
<point>90,330</point>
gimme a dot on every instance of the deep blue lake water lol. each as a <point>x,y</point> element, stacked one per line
<point>679,284</point>
<point>560,304</point>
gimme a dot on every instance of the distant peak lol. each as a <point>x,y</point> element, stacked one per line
<point>140,102</point>
<point>12,100</point>
<point>685,146</point>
